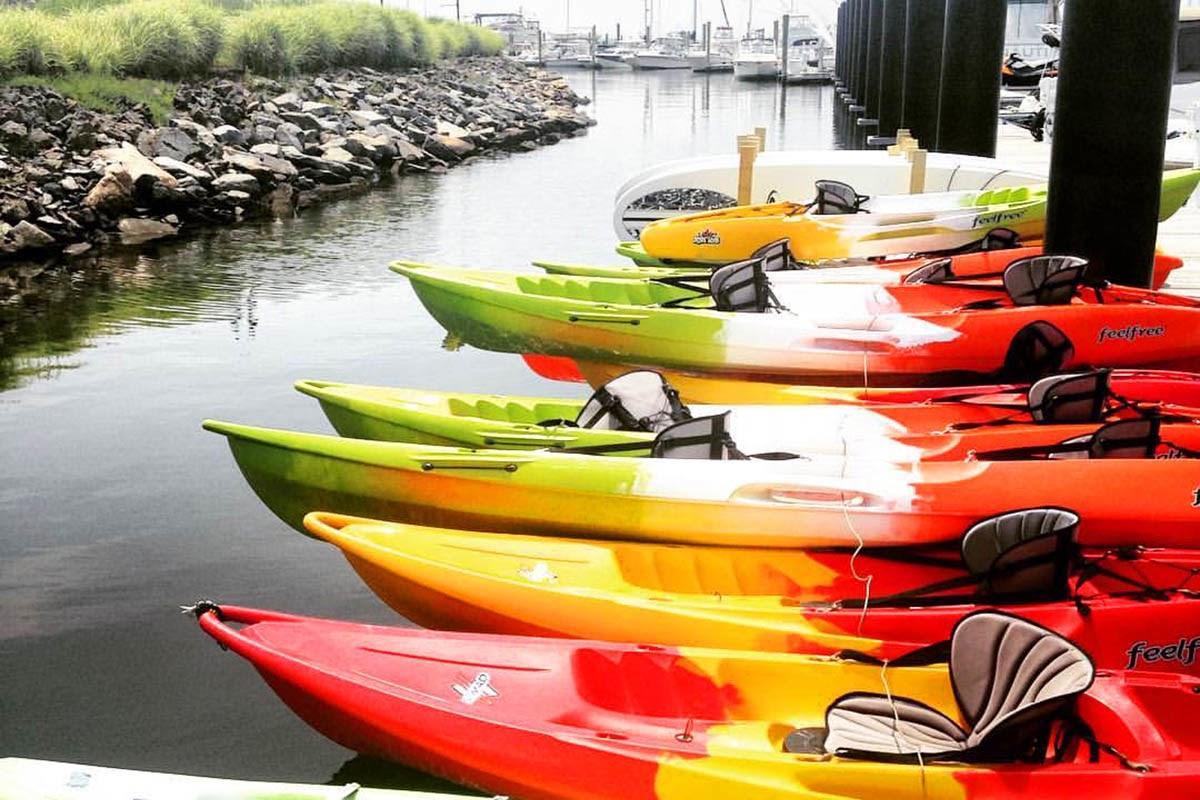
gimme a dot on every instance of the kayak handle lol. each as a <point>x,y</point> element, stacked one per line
<point>604,316</point>
<point>431,464</point>
<point>523,439</point>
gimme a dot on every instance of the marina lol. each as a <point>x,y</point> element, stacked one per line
<point>676,415</point>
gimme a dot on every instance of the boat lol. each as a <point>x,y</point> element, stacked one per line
<point>810,56</point>
<point>579,720</point>
<point>1019,73</point>
<point>883,272</point>
<point>780,600</point>
<point>34,779</point>
<point>840,222</point>
<point>570,52</point>
<point>718,57</point>
<point>1047,315</point>
<point>693,184</point>
<point>756,60</point>
<point>776,500</point>
<point>669,52</point>
<point>626,414</point>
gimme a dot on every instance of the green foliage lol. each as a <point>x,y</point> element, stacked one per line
<point>174,39</point>
<point>109,93</point>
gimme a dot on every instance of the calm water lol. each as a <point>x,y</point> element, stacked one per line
<point>117,508</point>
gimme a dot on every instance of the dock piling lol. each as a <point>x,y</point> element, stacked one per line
<point>972,51</point>
<point>870,98</point>
<point>1116,65</point>
<point>748,147</point>
<point>891,86</point>
<point>924,30</point>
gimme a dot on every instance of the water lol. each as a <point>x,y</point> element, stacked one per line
<point>117,508</point>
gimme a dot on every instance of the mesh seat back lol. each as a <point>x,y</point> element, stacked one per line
<point>1000,239</point>
<point>835,197</point>
<point>1037,350</point>
<point>1066,399</point>
<point>1027,553</point>
<point>933,272</point>
<point>1044,280</point>
<point>876,725</point>
<point>703,438</point>
<point>1129,438</point>
<point>775,256</point>
<point>741,286</point>
<point>1011,678</point>
<point>636,401</point>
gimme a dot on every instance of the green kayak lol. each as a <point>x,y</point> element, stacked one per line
<point>31,779</point>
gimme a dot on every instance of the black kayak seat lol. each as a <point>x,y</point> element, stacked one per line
<point>641,400</point>
<point>1044,280</point>
<point>1037,350</point>
<point>1070,399</point>
<point>702,438</point>
<point>835,197</point>
<point>1027,553</point>
<point>938,270</point>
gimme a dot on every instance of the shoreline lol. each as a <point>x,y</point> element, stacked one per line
<point>74,180</point>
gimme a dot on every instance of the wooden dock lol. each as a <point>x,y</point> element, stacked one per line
<point>1179,236</point>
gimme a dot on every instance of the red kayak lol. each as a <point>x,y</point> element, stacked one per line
<point>1015,712</point>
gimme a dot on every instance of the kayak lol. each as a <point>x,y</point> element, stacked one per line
<point>32,779</point>
<point>545,719</point>
<point>763,502</point>
<point>676,187</point>
<point>774,600</point>
<point>1044,317</point>
<point>640,406</point>
<point>854,225</point>
<point>887,272</point>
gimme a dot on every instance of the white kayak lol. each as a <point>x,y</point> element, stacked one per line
<point>692,184</point>
<point>31,779</point>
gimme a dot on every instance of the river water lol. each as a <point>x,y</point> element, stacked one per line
<point>115,508</point>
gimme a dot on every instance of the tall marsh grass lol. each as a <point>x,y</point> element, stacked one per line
<point>173,39</point>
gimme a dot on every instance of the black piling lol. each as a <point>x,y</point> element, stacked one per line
<point>839,55</point>
<point>1116,65</point>
<point>972,51</point>
<point>925,28</point>
<point>860,56</point>
<point>870,99</point>
<point>891,64</point>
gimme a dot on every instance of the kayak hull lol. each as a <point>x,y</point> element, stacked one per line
<point>747,503</point>
<point>764,600</point>
<point>545,718</point>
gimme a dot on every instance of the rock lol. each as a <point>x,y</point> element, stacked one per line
<point>176,167</point>
<point>13,130</point>
<point>365,119</point>
<point>137,165</point>
<point>14,210</point>
<point>450,129</point>
<point>306,122</point>
<point>289,101</point>
<point>77,249</point>
<point>407,151</point>
<point>237,181</point>
<point>267,149</point>
<point>260,165</point>
<point>135,230</point>
<point>227,134</point>
<point>261,134</point>
<point>25,236</point>
<point>451,147</point>
<point>318,109</point>
<point>69,184</point>
<point>113,192</point>
<point>290,134</point>
<point>167,142</point>
<point>40,139</point>
<point>282,201</point>
<point>81,136</point>
<point>339,155</point>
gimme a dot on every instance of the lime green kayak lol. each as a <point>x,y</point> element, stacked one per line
<point>31,779</point>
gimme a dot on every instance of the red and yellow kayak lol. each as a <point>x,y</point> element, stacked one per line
<point>801,601</point>
<point>550,719</point>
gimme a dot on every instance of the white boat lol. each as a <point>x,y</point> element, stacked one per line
<point>756,60</point>
<point>718,57</point>
<point>614,57</point>
<point>569,52</point>
<point>688,185</point>
<point>30,779</point>
<point>810,57</point>
<point>667,53</point>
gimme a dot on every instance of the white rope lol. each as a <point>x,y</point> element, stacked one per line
<point>865,580</point>
<point>899,736</point>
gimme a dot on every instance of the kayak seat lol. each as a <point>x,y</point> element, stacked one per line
<point>1069,399</point>
<point>1037,350</point>
<point>1027,554</point>
<point>1044,280</point>
<point>931,272</point>
<point>1012,679</point>
<point>742,287</point>
<point>835,197</point>
<point>1129,438</point>
<point>775,256</point>
<point>641,400</point>
<point>703,438</point>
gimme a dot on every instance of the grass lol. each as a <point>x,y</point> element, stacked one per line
<point>109,93</point>
<point>175,39</point>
